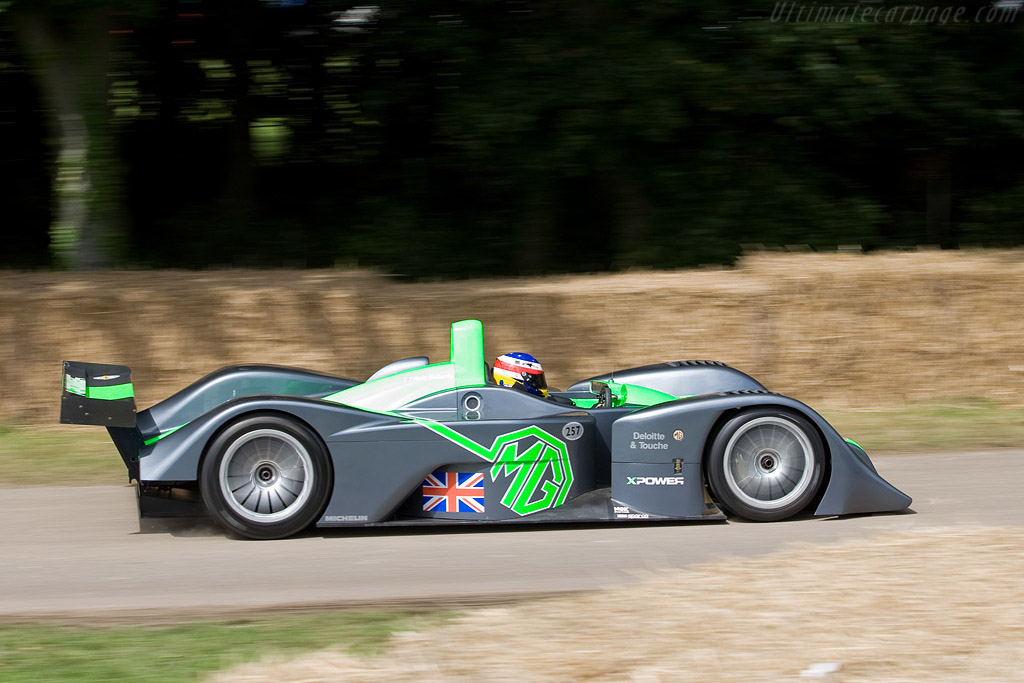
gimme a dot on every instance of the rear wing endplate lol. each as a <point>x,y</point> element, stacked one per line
<point>97,394</point>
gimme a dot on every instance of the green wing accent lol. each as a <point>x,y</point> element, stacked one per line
<point>465,369</point>
<point>111,393</point>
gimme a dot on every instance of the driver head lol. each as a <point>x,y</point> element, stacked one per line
<point>522,371</point>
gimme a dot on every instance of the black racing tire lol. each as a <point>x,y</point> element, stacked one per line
<point>265,477</point>
<point>766,464</point>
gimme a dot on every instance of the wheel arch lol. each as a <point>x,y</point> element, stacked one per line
<point>809,416</point>
<point>261,412</point>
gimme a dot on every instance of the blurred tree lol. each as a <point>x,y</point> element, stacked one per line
<point>24,175</point>
<point>461,137</point>
<point>606,134</point>
<point>69,45</point>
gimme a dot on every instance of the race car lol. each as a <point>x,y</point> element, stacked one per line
<point>268,451</point>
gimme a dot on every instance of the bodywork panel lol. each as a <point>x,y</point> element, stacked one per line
<point>231,383</point>
<point>681,378</point>
<point>525,469</point>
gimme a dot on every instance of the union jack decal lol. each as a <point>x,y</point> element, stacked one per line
<point>453,492</point>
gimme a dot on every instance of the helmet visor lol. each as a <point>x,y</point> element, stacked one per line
<point>535,380</point>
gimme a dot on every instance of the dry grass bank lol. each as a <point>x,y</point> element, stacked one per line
<point>838,330</point>
<point>932,605</point>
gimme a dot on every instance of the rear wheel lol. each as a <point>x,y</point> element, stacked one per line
<point>265,476</point>
<point>766,464</point>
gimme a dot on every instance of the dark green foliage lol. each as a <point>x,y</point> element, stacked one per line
<point>461,137</point>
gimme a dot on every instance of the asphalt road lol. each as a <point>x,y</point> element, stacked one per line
<point>77,553</point>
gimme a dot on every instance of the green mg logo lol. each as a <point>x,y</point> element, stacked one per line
<point>537,462</point>
<point>532,490</point>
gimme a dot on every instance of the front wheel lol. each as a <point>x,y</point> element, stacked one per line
<point>766,464</point>
<point>265,476</point>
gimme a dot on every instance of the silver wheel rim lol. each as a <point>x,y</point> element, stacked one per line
<point>769,463</point>
<point>266,475</point>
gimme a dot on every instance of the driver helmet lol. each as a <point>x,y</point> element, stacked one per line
<point>521,370</point>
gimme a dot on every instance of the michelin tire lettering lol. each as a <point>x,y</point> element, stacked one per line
<point>346,518</point>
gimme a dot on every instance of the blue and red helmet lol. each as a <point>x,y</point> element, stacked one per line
<point>521,370</point>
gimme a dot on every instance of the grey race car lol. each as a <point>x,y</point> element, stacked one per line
<point>271,450</point>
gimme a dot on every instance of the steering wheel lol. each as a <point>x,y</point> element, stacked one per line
<point>605,397</point>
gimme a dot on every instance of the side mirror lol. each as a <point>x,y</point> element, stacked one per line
<point>604,393</point>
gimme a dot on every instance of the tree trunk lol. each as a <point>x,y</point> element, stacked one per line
<point>939,199</point>
<point>534,232</point>
<point>70,69</point>
<point>239,191</point>
<point>632,214</point>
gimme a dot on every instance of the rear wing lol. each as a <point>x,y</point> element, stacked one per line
<point>97,394</point>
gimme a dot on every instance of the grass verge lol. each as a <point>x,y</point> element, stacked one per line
<point>58,456</point>
<point>186,652</point>
<point>82,456</point>
<point>969,424</point>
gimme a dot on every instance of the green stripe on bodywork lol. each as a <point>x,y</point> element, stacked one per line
<point>629,394</point>
<point>584,402</point>
<point>465,369</point>
<point>153,439</point>
<point>634,394</point>
<point>394,391</point>
<point>456,438</point>
<point>111,393</point>
<point>854,443</point>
